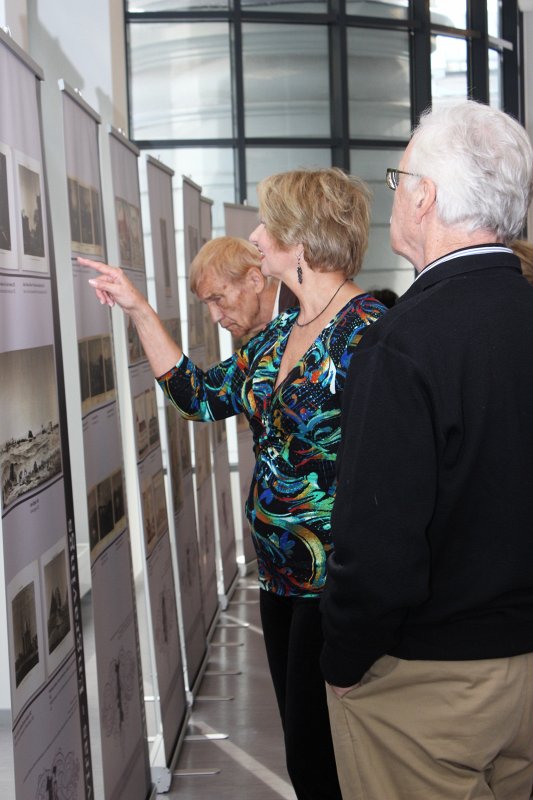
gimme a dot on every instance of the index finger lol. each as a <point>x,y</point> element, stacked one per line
<point>105,269</point>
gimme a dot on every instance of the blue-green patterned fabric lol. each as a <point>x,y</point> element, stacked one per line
<point>296,433</point>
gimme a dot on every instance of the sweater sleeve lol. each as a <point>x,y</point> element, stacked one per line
<point>214,394</point>
<point>384,500</point>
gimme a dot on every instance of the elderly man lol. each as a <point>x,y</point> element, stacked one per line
<point>226,275</point>
<point>428,610</point>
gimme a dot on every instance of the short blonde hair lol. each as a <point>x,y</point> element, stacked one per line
<point>325,210</point>
<point>225,256</point>
<point>524,250</point>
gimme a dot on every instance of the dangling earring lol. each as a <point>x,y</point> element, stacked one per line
<point>299,269</point>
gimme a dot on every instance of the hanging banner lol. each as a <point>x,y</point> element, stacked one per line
<point>224,523</point>
<point>151,485</point>
<point>51,742</point>
<point>179,462</point>
<point>240,221</point>
<point>126,772</point>
<point>170,675</point>
<point>202,434</point>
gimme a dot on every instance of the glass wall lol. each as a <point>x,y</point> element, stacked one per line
<point>229,91</point>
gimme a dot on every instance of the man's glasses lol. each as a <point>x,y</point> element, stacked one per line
<point>393,177</point>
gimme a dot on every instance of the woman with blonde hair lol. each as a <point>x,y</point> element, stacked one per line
<point>289,381</point>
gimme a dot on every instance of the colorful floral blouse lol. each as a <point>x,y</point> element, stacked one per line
<point>296,433</point>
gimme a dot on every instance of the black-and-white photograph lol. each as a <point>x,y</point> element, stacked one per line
<point>136,237</point>
<point>109,369</point>
<point>25,639</point>
<point>148,515</point>
<point>160,503</point>
<point>86,214</point>
<point>135,350</point>
<point>123,228</point>
<point>5,202</point>
<point>96,367</point>
<point>85,385</point>
<point>92,508</point>
<point>30,449</point>
<point>104,499</point>
<point>56,596</point>
<point>165,255</point>
<point>74,213</point>
<point>117,484</point>
<point>85,218</point>
<point>31,211</point>
<point>151,416</point>
<point>97,219</point>
<point>141,424</point>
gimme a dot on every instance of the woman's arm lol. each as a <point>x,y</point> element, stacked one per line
<point>198,395</point>
<point>112,286</point>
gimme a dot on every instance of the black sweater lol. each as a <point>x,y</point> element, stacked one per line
<point>433,517</point>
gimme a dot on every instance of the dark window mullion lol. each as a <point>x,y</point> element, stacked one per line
<point>478,59</point>
<point>513,68</point>
<point>420,61</point>
<point>338,82</point>
<point>238,102</point>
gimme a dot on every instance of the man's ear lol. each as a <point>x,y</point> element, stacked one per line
<point>425,197</point>
<point>256,279</point>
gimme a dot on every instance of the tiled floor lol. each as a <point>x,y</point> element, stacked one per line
<point>238,704</point>
<point>251,760</point>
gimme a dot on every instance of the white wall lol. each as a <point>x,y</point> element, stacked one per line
<point>13,15</point>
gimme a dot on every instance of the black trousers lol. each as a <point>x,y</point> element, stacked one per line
<point>293,638</point>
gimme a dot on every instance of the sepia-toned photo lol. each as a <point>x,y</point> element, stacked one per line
<point>96,366</point>
<point>165,256</point>
<point>141,425</point>
<point>150,529</point>
<point>83,356</point>
<point>117,484</point>
<point>56,595</point>
<point>30,449</point>
<point>151,416</point>
<point>74,213</point>
<point>135,350</point>
<point>85,218</point>
<point>97,375</point>
<point>8,215</point>
<point>160,503</point>
<point>92,509</point>
<point>31,212</point>
<point>123,229</point>
<point>136,237</point>
<point>109,364</point>
<point>5,225</point>
<point>105,508</point>
<point>25,639</point>
<point>96,207</point>
<point>86,214</point>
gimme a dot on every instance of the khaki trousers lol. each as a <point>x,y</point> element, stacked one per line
<point>436,730</point>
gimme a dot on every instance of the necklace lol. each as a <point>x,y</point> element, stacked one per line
<point>330,301</point>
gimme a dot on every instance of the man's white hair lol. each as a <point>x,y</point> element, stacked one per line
<point>481,162</point>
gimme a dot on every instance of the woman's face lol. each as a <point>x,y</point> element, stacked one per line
<point>274,260</point>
